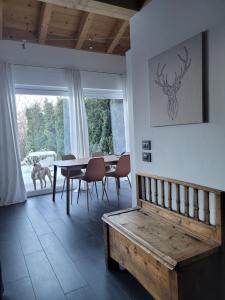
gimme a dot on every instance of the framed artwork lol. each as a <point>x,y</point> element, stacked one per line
<point>176,84</point>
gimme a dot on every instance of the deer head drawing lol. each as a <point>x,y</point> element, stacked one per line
<point>170,90</point>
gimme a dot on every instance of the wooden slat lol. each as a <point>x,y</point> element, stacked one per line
<point>156,190</point>
<point>178,197</point>
<point>143,188</point>
<point>139,196</point>
<point>169,196</point>
<point>120,32</point>
<point>162,193</point>
<point>219,201</point>
<point>206,207</point>
<point>150,189</point>
<point>1,19</point>
<point>46,12</point>
<point>186,200</point>
<point>84,29</point>
<point>196,205</point>
<point>96,7</point>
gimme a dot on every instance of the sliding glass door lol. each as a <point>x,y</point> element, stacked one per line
<point>44,136</point>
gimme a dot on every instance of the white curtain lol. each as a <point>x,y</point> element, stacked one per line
<point>78,118</point>
<point>12,188</point>
<point>126,111</point>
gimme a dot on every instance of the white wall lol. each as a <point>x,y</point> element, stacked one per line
<point>42,55</point>
<point>194,153</point>
<point>99,71</point>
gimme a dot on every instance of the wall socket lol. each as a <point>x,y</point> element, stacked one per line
<point>146,156</point>
<point>146,145</point>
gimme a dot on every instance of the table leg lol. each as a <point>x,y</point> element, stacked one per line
<point>1,284</point>
<point>67,192</point>
<point>54,183</point>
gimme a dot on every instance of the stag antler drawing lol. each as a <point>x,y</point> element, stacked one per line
<point>170,90</point>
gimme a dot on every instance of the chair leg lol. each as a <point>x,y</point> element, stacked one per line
<point>104,191</point>
<point>96,189</point>
<point>63,187</point>
<point>118,182</point>
<point>78,193</point>
<point>90,191</point>
<point>71,196</point>
<point>87,197</point>
<point>129,181</point>
<point>117,189</point>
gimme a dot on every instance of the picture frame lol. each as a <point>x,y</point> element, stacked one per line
<point>176,79</point>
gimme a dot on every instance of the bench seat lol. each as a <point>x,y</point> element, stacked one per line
<point>167,243</point>
<point>167,259</point>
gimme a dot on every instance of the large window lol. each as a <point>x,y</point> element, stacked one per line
<point>44,136</point>
<point>105,125</point>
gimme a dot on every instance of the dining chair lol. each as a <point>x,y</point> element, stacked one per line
<point>122,170</point>
<point>107,167</point>
<point>74,174</point>
<point>95,172</point>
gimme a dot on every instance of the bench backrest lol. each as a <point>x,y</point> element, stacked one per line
<point>198,209</point>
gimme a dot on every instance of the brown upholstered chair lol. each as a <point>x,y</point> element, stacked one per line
<point>122,170</point>
<point>101,154</point>
<point>75,174</point>
<point>107,167</point>
<point>95,172</point>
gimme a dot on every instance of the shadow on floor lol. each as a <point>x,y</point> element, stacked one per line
<point>46,254</point>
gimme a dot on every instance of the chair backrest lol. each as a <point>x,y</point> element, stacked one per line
<point>95,170</point>
<point>123,166</point>
<point>97,154</point>
<point>68,157</point>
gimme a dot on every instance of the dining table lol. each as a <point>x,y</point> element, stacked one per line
<point>76,164</point>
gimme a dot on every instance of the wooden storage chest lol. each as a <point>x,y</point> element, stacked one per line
<point>173,254</point>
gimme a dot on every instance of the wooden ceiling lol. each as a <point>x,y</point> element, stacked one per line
<point>99,26</point>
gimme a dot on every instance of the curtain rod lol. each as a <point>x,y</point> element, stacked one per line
<point>62,68</point>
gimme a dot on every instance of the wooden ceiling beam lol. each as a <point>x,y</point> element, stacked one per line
<point>46,13</point>
<point>130,4</point>
<point>1,19</point>
<point>116,9</point>
<point>84,29</point>
<point>121,30</point>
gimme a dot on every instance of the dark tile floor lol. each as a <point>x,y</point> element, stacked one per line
<point>46,254</point>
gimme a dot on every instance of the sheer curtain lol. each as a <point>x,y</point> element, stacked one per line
<point>12,189</point>
<point>78,118</point>
<point>126,111</point>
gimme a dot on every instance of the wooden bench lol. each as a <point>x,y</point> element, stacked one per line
<point>172,242</point>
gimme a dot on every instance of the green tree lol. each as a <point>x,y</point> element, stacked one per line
<point>106,137</point>
<point>35,138</point>
<point>59,126</point>
<point>99,125</point>
<point>49,126</point>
